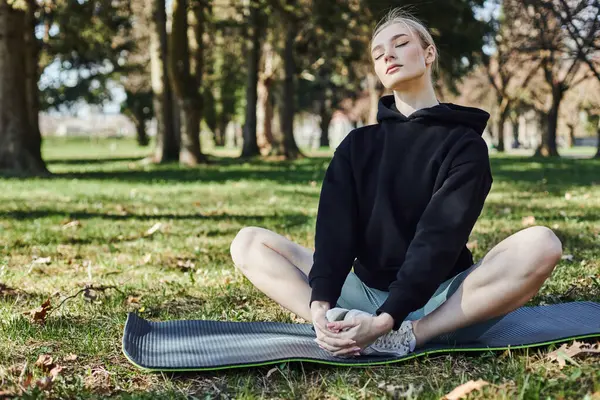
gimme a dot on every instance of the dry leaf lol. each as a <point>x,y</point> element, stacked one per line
<point>72,224</point>
<point>271,372</point>
<point>70,357</point>
<point>42,260</point>
<point>472,245</point>
<point>565,353</point>
<point>39,314</point>
<point>568,196</point>
<point>313,183</point>
<point>45,362</point>
<point>155,228</point>
<point>133,300</point>
<point>463,390</point>
<point>528,221</point>
<point>54,372</point>
<point>147,258</point>
<point>89,294</point>
<point>44,383</point>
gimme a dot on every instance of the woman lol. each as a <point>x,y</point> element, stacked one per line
<point>398,203</point>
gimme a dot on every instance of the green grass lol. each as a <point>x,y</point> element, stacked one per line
<point>184,271</point>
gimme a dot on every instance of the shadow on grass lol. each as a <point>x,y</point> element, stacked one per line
<point>536,174</point>
<point>87,161</point>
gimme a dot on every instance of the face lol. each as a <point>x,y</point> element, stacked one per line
<point>399,57</point>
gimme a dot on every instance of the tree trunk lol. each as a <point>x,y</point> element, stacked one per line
<point>265,139</point>
<point>220,131</point>
<point>598,136</point>
<point>571,135</point>
<point>503,111</point>
<point>32,51</point>
<point>515,132</point>
<point>290,148</point>
<point>548,147</point>
<point>373,97</point>
<point>140,127</point>
<point>326,114</point>
<point>250,146</point>
<point>15,157</point>
<point>167,136</point>
<point>186,86</point>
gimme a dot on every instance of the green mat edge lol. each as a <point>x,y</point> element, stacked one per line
<point>371,363</point>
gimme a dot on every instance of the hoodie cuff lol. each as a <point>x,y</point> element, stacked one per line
<point>321,291</point>
<point>394,305</point>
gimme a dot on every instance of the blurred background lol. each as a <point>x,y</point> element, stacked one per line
<point>187,78</point>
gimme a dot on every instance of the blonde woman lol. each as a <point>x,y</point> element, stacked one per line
<point>398,203</point>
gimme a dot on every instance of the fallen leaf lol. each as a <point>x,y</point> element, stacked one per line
<point>271,372</point>
<point>147,258</point>
<point>568,196</point>
<point>566,353</point>
<point>555,226</point>
<point>463,390</point>
<point>568,257</point>
<point>89,294</point>
<point>42,260</point>
<point>155,228</point>
<point>54,372</point>
<point>39,314</point>
<point>72,224</point>
<point>70,357</point>
<point>528,221</point>
<point>313,183</point>
<point>472,245</point>
<point>45,362</point>
<point>44,383</point>
<point>133,300</point>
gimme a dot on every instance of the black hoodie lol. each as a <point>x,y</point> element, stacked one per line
<point>401,197</point>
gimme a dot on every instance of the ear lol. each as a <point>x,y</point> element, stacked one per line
<point>430,54</point>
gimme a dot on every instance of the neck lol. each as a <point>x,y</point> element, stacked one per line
<point>414,95</point>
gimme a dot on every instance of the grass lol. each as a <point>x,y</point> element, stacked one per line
<point>184,271</point>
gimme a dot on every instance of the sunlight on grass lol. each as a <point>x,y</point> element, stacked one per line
<point>89,224</point>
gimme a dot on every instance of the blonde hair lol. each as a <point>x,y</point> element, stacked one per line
<point>399,15</point>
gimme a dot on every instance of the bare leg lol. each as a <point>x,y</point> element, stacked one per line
<point>510,274</point>
<point>276,266</point>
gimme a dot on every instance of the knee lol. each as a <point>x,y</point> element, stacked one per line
<point>242,246</point>
<point>546,249</point>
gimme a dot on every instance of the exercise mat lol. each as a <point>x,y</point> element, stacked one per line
<point>196,345</point>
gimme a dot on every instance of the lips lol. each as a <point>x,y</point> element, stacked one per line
<point>392,68</point>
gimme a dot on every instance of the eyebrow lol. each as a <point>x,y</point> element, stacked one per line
<point>393,38</point>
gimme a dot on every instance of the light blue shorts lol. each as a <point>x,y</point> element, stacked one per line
<point>356,295</point>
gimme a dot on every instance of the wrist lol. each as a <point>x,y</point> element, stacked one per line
<point>319,305</point>
<point>385,322</point>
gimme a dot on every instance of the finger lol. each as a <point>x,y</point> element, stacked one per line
<point>341,343</point>
<point>325,331</point>
<point>327,347</point>
<point>340,325</point>
<point>351,351</point>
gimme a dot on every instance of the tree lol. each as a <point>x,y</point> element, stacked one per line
<point>506,73</point>
<point>136,81</point>
<point>545,41</point>
<point>167,136</point>
<point>20,139</point>
<point>255,23</point>
<point>186,83</point>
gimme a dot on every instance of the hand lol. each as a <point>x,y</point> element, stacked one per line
<point>328,339</point>
<point>363,329</point>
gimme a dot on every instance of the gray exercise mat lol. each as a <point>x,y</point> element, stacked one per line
<point>196,345</point>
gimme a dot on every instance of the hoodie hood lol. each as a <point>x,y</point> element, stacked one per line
<point>447,113</point>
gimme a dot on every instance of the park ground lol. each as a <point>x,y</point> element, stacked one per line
<point>156,239</point>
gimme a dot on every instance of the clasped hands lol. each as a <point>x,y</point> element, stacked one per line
<point>347,338</point>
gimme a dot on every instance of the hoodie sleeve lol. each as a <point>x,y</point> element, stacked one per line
<point>442,232</point>
<point>336,228</point>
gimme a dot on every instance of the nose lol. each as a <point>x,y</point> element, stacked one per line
<point>389,54</point>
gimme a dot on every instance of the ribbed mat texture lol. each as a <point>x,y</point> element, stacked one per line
<point>205,345</point>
